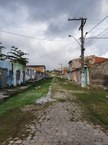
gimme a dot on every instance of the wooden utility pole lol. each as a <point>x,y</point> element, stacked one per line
<point>83,21</point>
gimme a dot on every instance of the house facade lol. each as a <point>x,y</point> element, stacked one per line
<point>5,74</point>
<point>99,74</point>
<point>38,68</point>
<point>11,74</point>
<point>40,71</point>
<point>95,70</point>
<point>30,73</point>
<point>18,73</point>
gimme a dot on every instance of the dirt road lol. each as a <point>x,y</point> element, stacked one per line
<point>59,122</point>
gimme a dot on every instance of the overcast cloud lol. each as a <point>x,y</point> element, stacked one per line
<point>47,21</point>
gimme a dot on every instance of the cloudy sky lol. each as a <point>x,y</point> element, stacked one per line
<point>43,28</point>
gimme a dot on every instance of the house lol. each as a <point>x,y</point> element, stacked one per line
<point>74,70</point>
<point>11,73</point>
<point>40,71</point>
<point>30,73</point>
<point>95,70</point>
<point>38,68</point>
<point>99,73</point>
<point>18,71</point>
<point>5,74</point>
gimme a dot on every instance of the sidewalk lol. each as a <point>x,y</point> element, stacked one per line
<point>6,93</point>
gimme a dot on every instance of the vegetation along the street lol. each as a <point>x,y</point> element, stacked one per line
<point>12,118</point>
<point>94,102</point>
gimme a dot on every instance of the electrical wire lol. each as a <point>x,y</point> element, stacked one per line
<point>31,37</point>
<point>96,25</point>
<point>101,33</point>
<point>46,54</point>
<point>97,38</point>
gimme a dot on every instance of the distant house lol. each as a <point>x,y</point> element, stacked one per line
<point>64,71</point>
<point>40,71</point>
<point>30,73</point>
<point>95,70</point>
<point>38,68</point>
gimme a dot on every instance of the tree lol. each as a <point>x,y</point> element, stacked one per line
<point>2,56</point>
<point>18,55</point>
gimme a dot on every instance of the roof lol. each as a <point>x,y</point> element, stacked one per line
<point>36,66</point>
<point>97,59</point>
<point>100,60</point>
<point>74,60</point>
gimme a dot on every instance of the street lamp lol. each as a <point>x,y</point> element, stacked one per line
<point>75,40</point>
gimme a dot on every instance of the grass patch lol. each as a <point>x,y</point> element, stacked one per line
<point>26,97</point>
<point>68,85</point>
<point>13,124</point>
<point>93,101</point>
<point>12,118</point>
<point>95,105</point>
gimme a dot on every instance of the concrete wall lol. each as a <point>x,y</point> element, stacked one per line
<point>11,74</point>
<point>39,76</point>
<point>99,74</point>
<point>69,76</point>
<point>30,74</point>
<point>18,74</point>
<point>74,64</point>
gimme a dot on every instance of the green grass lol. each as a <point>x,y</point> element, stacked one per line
<point>64,83</point>
<point>93,101</point>
<point>26,97</point>
<point>95,104</point>
<point>12,118</point>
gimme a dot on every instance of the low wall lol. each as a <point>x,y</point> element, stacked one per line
<point>99,74</point>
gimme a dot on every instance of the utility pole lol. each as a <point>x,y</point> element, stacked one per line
<point>83,21</point>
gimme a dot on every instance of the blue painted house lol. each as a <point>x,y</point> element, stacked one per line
<point>11,74</point>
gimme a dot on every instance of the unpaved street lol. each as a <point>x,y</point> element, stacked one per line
<point>59,123</point>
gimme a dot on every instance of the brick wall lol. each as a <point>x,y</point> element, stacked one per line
<point>99,74</point>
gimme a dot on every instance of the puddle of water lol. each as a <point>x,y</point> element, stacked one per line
<point>46,98</point>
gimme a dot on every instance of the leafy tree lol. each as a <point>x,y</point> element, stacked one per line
<point>18,55</point>
<point>2,56</point>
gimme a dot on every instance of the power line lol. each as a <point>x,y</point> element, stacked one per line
<point>101,33</point>
<point>97,38</point>
<point>96,25</point>
<point>83,21</point>
<point>31,37</point>
<point>54,51</point>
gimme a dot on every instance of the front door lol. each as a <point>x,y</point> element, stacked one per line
<point>3,78</point>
